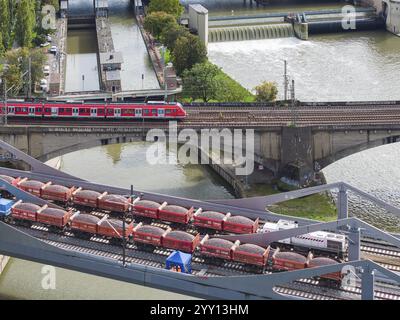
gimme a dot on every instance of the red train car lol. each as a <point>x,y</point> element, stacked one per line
<point>210,219</point>
<point>251,254</point>
<point>32,186</point>
<point>25,211</point>
<point>87,198</point>
<point>113,229</point>
<point>150,110</point>
<point>57,192</point>
<point>217,248</point>
<point>149,235</point>
<point>10,180</point>
<point>176,214</point>
<point>53,216</point>
<point>180,240</point>
<point>84,224</point>
<point>323,261</point>
<point>114,202</point>
<point>239,224</point>
<point>146,208</point>
<point>287,261</point>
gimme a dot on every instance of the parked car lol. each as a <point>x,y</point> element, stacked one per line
<point>46,70</point>
<point>46,44</point>
<point>53,49</point>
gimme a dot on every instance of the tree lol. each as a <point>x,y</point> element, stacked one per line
<point>171,34</point>
<point>25,23</point>
<point>266,91</point>
<point>5,29</point>
<point>157,22</point>
<point>188,51</point>
<point>201,81</point>
<point>169,6</point>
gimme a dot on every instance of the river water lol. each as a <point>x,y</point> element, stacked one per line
<point>82,70</point>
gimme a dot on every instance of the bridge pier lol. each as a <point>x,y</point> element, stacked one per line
<point>367,284</point>
<point>342,203</point>
<point>354,244</point>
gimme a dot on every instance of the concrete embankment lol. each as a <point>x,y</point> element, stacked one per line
<point>3,262</point>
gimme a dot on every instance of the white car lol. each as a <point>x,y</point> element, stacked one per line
<point>43,85</point>
<point>46,70</point>
<point>46,44</point>
<point>53,49</point>
<point>48,38</point>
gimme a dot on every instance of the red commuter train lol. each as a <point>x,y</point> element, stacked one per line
<point>149,110</point>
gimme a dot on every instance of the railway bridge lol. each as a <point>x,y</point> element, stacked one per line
<point>372,260</point>
<point>310,136</point>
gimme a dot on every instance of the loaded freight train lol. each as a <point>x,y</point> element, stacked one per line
<point>147,236</point>
<point>204,221</point>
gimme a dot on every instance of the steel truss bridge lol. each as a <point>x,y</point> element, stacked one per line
<point>375,281</point>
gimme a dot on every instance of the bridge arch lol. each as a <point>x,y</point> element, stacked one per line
<point>356,148</point>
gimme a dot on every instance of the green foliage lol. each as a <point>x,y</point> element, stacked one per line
<point>169,6</point>
<point>25,23</point>
<point>156,22</point>
<point>5,26</point>
<point>188,51</point>
<point>231,91</point>
<point>266,92</point>
<point>171,34</point>
<point>200,82</point>
<point>17,61</point>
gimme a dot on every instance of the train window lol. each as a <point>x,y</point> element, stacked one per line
<point>61,110</point>
<point>110,111</point>
<point>39,109</point>
<point>46,109</point>
<point>24,109</point>
<point>17,109</point>
<point>146,111</point>
<point>100,111</point>
<point>168,111</point>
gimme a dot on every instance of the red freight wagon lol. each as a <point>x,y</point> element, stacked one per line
<point>239,224</point>
<point>84,223</point>
<point>180,240</point>
<point>10,180</point>
<point>323,261</point>
<point>210,219</point>
<point>86,197</point>
<point>24,211</point>
<point>175,214</point>
<point>146,208</point>
<point>287,261</point>
<point>54,217</point>
<point>251,254</point>
<point>113,228</point>
<point>32,186</point>
<point>149,235</point>
<point>57,192</point>
<point>217,248</point>
<point>114,202</point>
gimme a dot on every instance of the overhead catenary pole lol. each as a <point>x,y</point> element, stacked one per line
<point>285,81</point>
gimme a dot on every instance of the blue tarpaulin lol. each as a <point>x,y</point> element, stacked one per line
<point>179,261</point>
<point>5,206</point>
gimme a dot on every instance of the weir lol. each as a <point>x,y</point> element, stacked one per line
<point>240,33</point>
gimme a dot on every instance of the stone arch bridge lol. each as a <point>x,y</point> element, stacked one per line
<point>274,147</point>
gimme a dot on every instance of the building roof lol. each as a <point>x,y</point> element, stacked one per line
<point>198,8</point>
<point>111,58</point>
<point>64,5</point>
<point>101,4</point>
